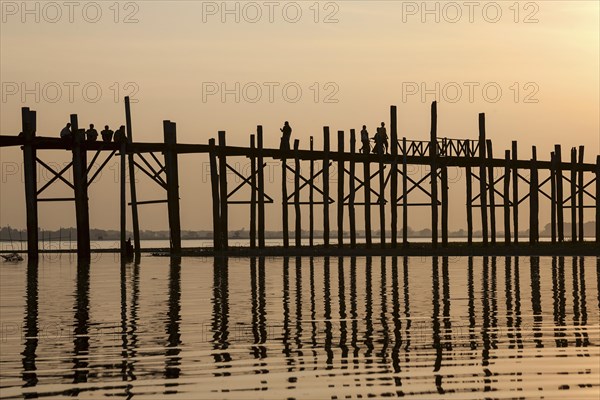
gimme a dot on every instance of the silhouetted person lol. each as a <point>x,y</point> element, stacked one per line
<point>92,134</point>
<point>129,248</point>
<point>364,138</point>
<point>107,134</point>
<point>384,137</point>
<point>66,133</point>
<point>285,137</point>
<point>378,139</point>
<point>120,134</point>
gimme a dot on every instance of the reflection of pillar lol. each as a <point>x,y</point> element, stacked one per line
<point>327,315</point>
<point>220,318</point>
<point>342,301</point>
<point>536,304</point>
<point>80,333</point>
<point>435,320</point>
<point>485,354</point>
<point>172,359</point>
<point>582,320</point>
<point>406,304</point>
<point>558,291</point>
<point>31,328</point>
<point>383,314</point>
<point>471,292</point>
<point>368,310</point>
<point>353,307</point>
<point>313,308</point>
<point>397,323</point>
<point>518,319</point>
<point>298,338</point>
<point>446,302</point>
<point>286,308</point>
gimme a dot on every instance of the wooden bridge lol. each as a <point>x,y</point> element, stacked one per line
<point>159,161</point>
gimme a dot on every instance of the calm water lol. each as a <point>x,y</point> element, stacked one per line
<point>338,328</point>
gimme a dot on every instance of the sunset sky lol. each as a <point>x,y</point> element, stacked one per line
<point>350,59</point>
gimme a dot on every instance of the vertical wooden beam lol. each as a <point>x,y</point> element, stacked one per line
<point>340,184</point>
<point>311,199</point>
<point>482,178</point>
<point>433,161</point>
<point>326,186</point>
<point>559,194</point>
<point>580,200</point>
<point>598,199</point>
<point>298,225</point>
<point>469,184</point>
<point>404,194</point>
<point>515,174</point>
<point>123,186</point>
<point>506,195</point>
<point>533,199</point>
<point>573,194</point>
<point>81,192</point>
<point>214,182</point>
<point>367,191</point>
<point>352,189</point>
<point>445,199</point>
<point>253,192</point>
<point>28,121</point>
<point>492,197</point>
<point>394,175</point>
<point>261,188</point>
<point>132,190</point>
<point>284,201</point>
<point>553,197</point>
<point>223,191</point>
<point>172,172</point>
<point>381,200</point>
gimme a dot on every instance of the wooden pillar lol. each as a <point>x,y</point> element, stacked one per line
<point>559,194</point>
<point>284,200</point>
<point>298,225</point>
<point>515,174</point>
<point>469,184</point>
<point>340,199</point>
<point>172,172</point>
<point>598,199</point>
<point>223,191</point>
<point>482,178</point>
<point>506,195</point>
<point>533,199</point>
<point>553,197</point>
<point>381,200</point>
<point>394,175</point>
<point>81,192</point>
<point>433,161</point>
<point>404,193</point>
<point>123,185</point>
<point>445,199</point>
<point>311,199</point>
<point>492,197</point>
<point>28,121</point>
<point>580,200</point>
<point>132,190</point>
<point>367,191</point>
<point>261,188</point>
<point>573,194</point>
<point>253,192</point>
<point>352,188</point>
<point>216,204</point>
<point>326,186</point>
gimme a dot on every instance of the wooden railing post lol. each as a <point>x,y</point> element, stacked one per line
<point>172,172</point>
<point>28,121</point>
<point>132,189</point>
<point>433,161</point>
<point>214,183</point>
<point>394,175</point>
<point>81,192</point>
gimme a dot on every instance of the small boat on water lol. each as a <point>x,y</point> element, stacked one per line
<point>12,257</point>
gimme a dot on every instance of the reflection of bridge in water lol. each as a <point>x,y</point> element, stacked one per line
<point>393,187</point>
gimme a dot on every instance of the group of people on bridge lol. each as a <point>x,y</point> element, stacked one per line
<point>91,135</point>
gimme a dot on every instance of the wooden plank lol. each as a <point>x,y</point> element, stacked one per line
<point>81,195</point>
<point>445,201</point>
<point>132,189</point>
<point>515,198</point>
<point>367,192</point>
<point>433,160</point>
<point>28,121</point>
<point>394,175</point>
<point>492,196</point>
<point>506,195</point>
<point>553,198</point>
<point>326,186</point>
<point>214,183</point>
<point>469,188</point>
<point>573,194</point>
<point>482,178</point>
<point>340,192</point>
<point>261,187</point>
<point>559,194</point>
<point>253,194</point>
<point>352,189</point>
<point>311,199</point>
<point>172,172</point>
<point>298,225</point>
<point>533,199</point>
<point>404,194</point>
<point>580,199</point>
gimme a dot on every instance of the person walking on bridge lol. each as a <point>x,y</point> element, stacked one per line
<point>285,137</point>
<point>364,138</point>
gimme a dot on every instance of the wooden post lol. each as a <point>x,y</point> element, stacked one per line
<point>515,174</point>
<point>580,196</point>
<point>214,181</point>
<point>298,225</point>
<point>132,190</point>
<point>433,160</point>
<point>284,201</point>
<point>28,121</point>
<point>123,185</point>
<point>253,193</point>
<point>506,195</point>
<point>394,175</point>
<point>81,192</point>
<point>482,178</point>
<point>311,198</point>
<point>573,195</point>
<point>172,172</point>
<point>533,199</point>
<point>340,199</point>
<point>469,195</point>
<point>261,188</point>
<point>444,183</point>
<point>326,186</point>
<point>381,200</point>
<point>352,195</point>
<point>404,194</point>
<point>553,197</point>
<point>559,194</point>
<point>367,191</point>
<point>492,198</point>
<point>223,191</point>
<point>598,199</point>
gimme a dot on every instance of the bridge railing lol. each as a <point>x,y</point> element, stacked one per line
<point>445,147</point>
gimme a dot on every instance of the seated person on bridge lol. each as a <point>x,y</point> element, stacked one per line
<point>92,134</point>
<point>107,134</point>
<point>66,133</point>
<point>120,135</point>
